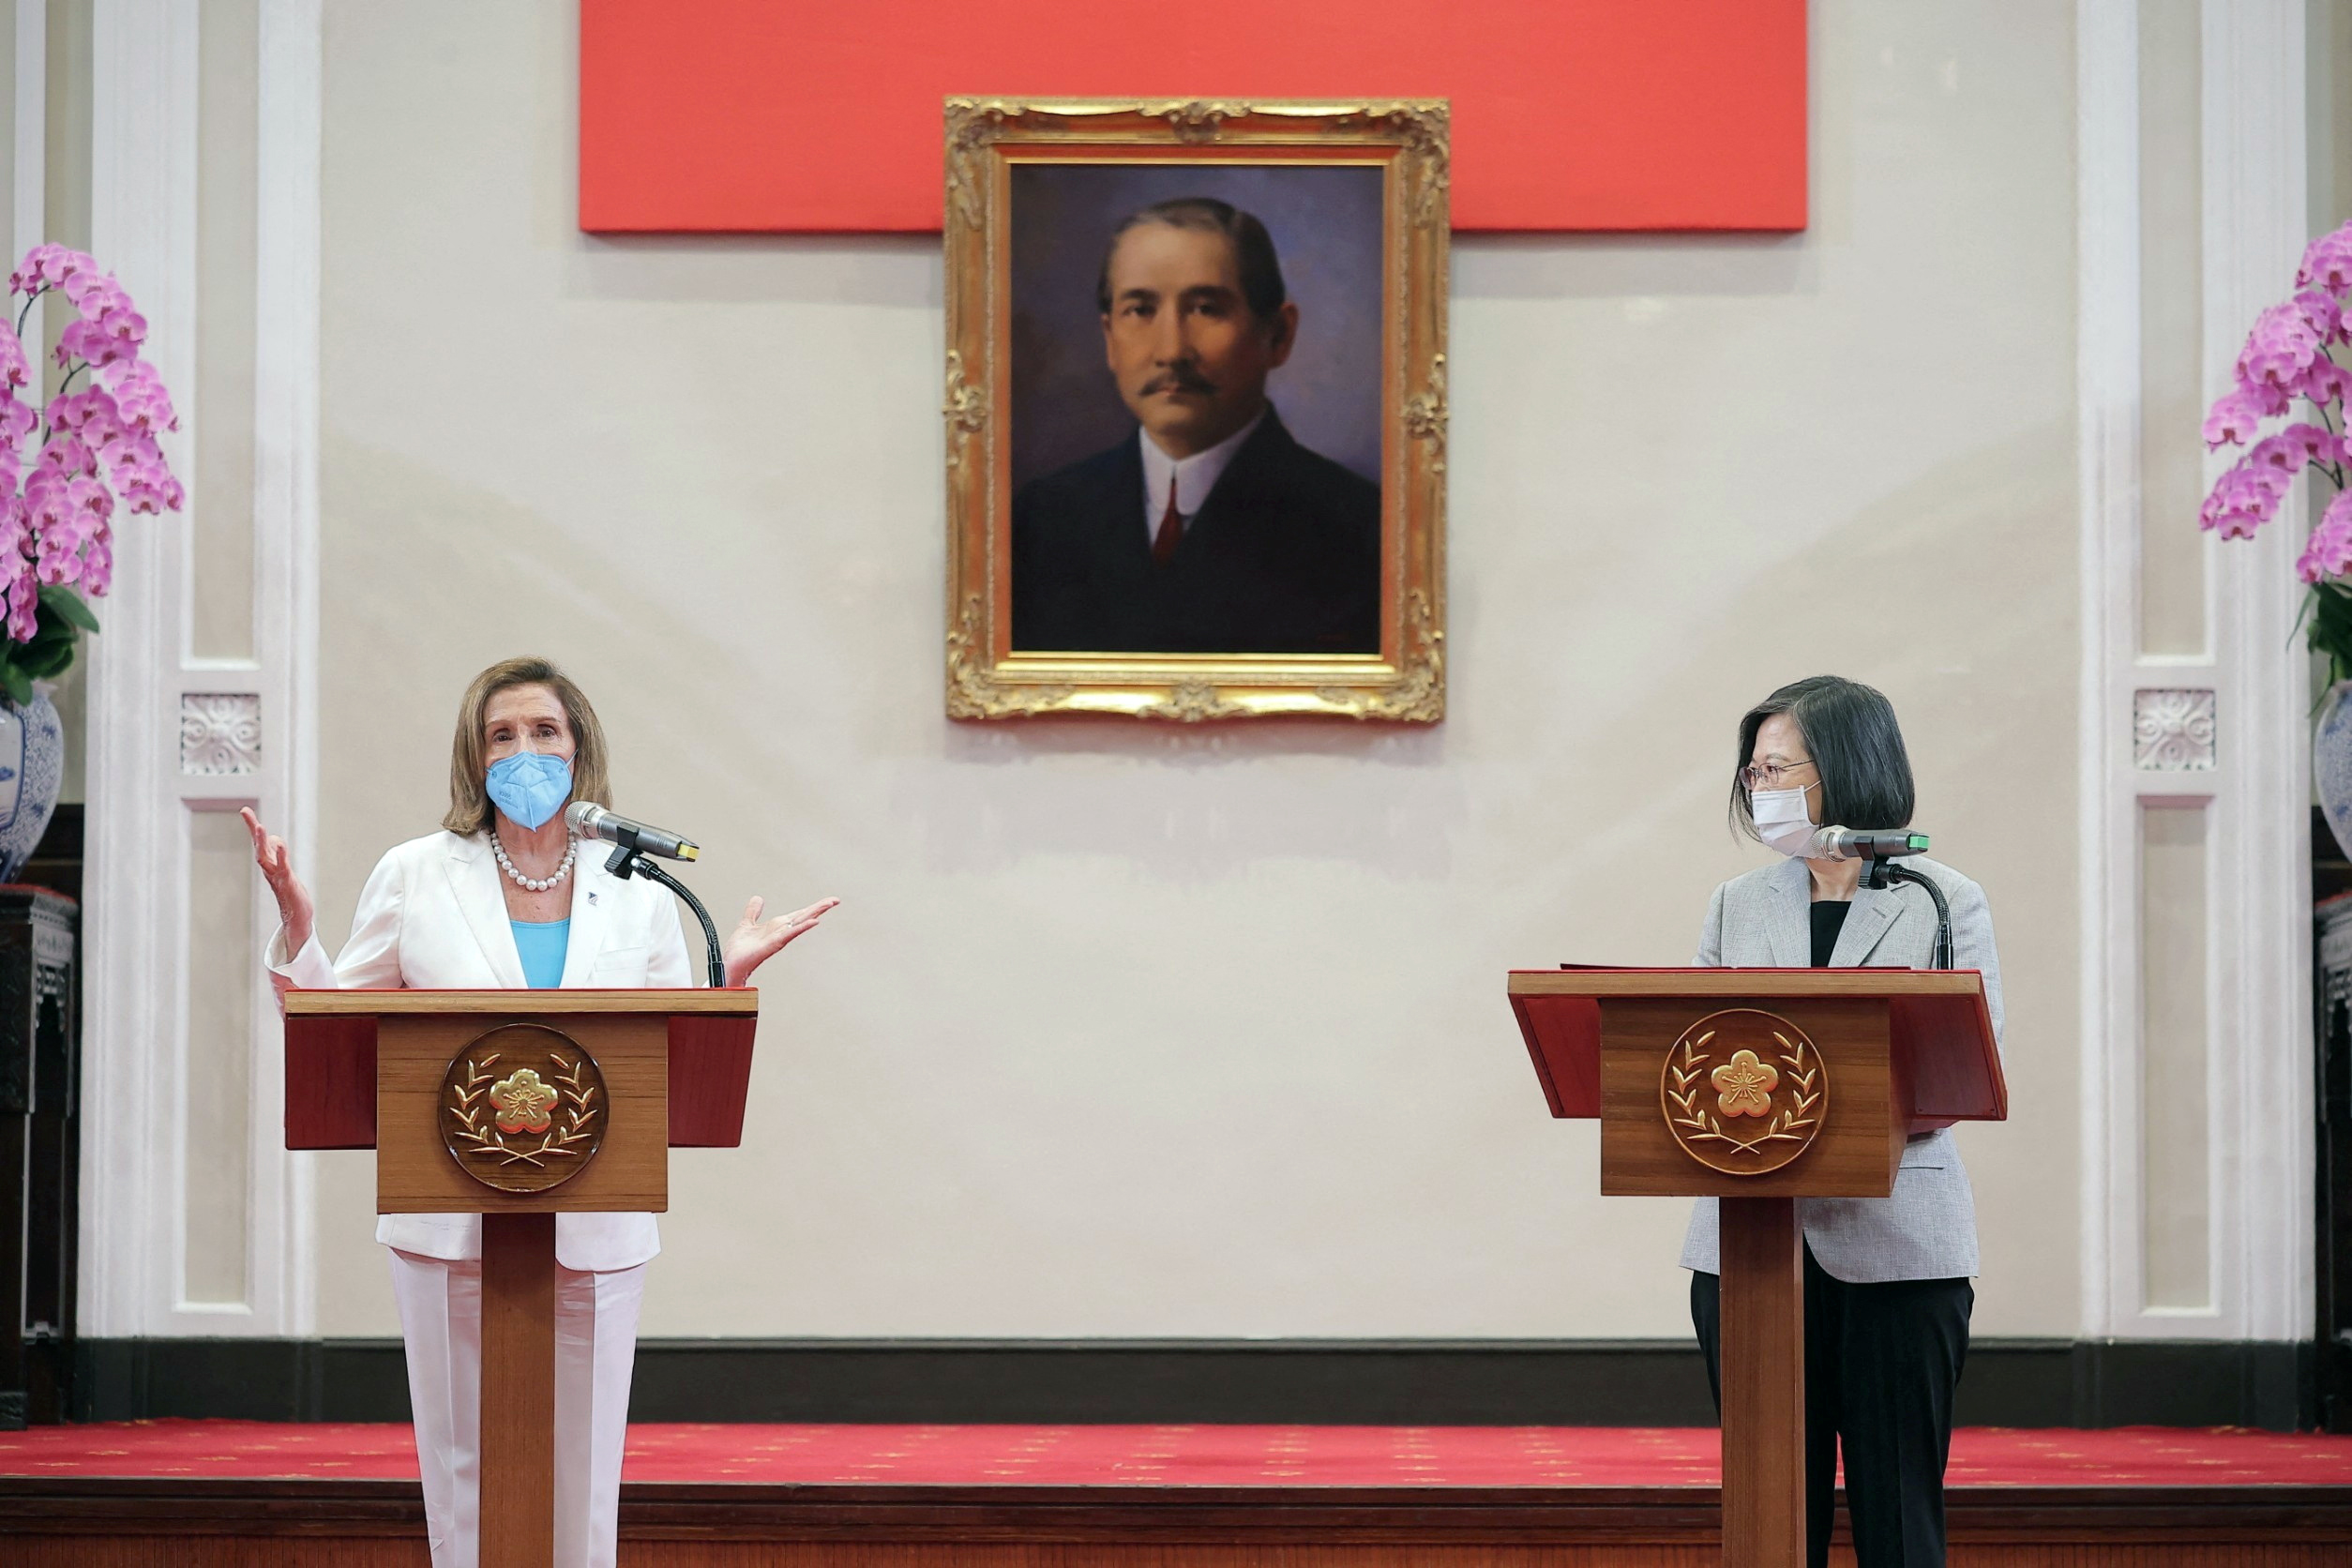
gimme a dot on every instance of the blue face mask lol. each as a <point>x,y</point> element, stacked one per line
<point>530,786</point>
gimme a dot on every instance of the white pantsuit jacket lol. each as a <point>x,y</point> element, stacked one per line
<point>433,915</point>
<point>1927,1228</point>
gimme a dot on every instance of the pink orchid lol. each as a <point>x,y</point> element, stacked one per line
<point>15,370</point>
<point>2314,444</point>
<point>142,402</point>
<point>2277,352</point>
<point>2232,421</point>
<point>2321,313</point>
<point>2324,382</point>
<point>91,500</point>
<point>78,341</point>
<point>2328,262</point>
<point>2268,399</point>
<point>45,267</point>
<point>57,555</point>
<point>2276,452</point>
<point>60,267</point>
<point>2245,498</point>
<point>90,414</point>
<point>128,456</point>
<point>2329,549</point>
<point>94,451</point>
<point>126,326</point>
<point>63,454</point>
<point>93,293</point>
<point>23,603</point>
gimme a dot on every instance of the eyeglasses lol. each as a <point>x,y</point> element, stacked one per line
<point>1766,776</point>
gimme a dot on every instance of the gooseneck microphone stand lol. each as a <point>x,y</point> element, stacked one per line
<point>628,861</point>
<point>1880,873</point>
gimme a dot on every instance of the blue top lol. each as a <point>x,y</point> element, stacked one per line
<point>541,945</point>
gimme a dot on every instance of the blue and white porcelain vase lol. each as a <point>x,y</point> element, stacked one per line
<point>32,766</point>
<point>2331,761</point>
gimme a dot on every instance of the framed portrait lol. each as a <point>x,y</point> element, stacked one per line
<point>1196,409</point>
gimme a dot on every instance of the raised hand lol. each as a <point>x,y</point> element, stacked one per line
<point>296,910</point>
<point>754,940</point>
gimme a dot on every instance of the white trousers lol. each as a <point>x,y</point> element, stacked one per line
<point>596,1350</point>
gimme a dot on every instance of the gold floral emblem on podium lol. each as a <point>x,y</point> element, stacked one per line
<point>1744,1091</point>
<point>522,1108</point>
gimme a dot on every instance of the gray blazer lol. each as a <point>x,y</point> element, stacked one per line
<point>1927,1229</point>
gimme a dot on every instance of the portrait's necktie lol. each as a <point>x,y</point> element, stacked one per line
<point>1171,528</point>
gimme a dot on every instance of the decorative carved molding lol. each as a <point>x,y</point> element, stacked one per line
<point>972,690</point>
<point>966,408</point>
<point>2172,729</point>
<point>972,124</point>
<point>1196,121</point>
<point>1418,694</point>
<point>1190,702</point>
<point>1426,415</point>
<point>1427,131</point>
<point>220,733</point>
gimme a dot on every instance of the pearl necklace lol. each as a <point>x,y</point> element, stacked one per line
<point>532,885</point>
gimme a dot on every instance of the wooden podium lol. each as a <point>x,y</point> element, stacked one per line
<point>1759,1087</point>
<point>518,1105</point>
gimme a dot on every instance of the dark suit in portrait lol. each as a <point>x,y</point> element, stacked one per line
<point>1282,557</point>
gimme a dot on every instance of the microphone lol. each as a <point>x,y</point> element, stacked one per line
<point>590,821</point>
<point>1846,843</point>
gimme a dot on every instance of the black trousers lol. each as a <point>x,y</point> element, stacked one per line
<point>1881,1364</point>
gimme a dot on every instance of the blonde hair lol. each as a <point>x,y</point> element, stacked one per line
<point>470,808</point>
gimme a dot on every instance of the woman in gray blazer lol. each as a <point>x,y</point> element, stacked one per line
<point>1887,1279</point>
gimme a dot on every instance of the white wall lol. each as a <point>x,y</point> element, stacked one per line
<point>1146,1032</point>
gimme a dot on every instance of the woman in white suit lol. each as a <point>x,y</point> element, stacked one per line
<point>1886,1279</point>
<point>502,897</point>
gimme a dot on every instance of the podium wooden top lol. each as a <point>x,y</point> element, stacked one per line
<point>1704,983</point>
<point>1940,1026</point>
<point>331,1059</point>
<point>734,1001</point>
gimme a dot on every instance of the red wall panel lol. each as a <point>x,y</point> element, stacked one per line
<point>789,114</point>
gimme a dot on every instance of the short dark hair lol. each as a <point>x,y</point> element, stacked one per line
<point>1253,248</point>
<point>1850,730</point>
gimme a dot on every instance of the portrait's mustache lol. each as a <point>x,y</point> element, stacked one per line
<point>1179,379</point>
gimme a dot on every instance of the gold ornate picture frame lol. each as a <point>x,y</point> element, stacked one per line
<point>1355,202</point>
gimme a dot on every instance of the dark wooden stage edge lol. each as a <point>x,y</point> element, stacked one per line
<point>2010,1382</point>
<point>118,1524</point>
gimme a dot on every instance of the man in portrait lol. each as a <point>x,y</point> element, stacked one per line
<point>1210,530</point>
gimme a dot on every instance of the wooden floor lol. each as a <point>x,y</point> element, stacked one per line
<point>380,1524</point>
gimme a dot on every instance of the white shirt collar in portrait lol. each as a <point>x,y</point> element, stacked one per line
<point>1194,476</point>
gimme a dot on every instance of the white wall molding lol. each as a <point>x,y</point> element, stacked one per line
<point>2252,780</point>
<point>286,553</point>
<point>30,180</point>
<point>2256,221</point>
<point>144,225</point>
<point>2107,372</point>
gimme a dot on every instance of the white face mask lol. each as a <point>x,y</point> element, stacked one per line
<point>1780,819</point>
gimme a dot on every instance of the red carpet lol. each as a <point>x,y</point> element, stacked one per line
<point>1179,1455</point>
